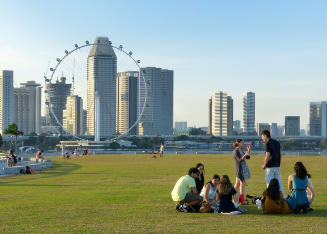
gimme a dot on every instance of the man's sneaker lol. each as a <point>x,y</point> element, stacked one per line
<point>177,207</point>
<point>183,209</point>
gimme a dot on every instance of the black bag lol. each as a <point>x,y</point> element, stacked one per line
<point>15,158</point>
<point>28,170</point>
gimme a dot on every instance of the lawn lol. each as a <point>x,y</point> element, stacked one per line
<point>131,194</point>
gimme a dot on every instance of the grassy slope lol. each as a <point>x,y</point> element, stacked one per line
<point>131,193</point>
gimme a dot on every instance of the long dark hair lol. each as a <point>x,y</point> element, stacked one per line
<point>300,170</point>
<point>235,144</point>
<point>215,176</point>
<point>225,185</point>
<point>273,190</point>
<point>197,166</point>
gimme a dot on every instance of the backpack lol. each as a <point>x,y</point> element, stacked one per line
<point>15,158</point>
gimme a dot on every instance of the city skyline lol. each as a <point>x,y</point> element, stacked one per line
<point>267,48</point>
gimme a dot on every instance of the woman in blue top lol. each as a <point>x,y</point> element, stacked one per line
<point>210,190</point>
<point>298,183</point>
<point>226,193</point>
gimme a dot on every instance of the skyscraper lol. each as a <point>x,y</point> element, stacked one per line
<point>73,115</point>
<point>27,107</point>
<point>292,125</point>
<point>181,126</point>
<point>229,116</point>
<point>157,116</point>
<point>101,77</point>
<point>210,117</point>
<point>318,120</point>
<point>6,99</point>
<point>222,114</point>
<point>127,105</point>
<point>58,94</point>
<point>249,112</point>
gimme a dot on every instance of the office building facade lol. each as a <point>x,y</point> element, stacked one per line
<point>102,77</point>
<point>73,115</point>
<point>318,120</point>
<point>292,126</point>
<point>27,107</point>
<point>127,105</point>
<point>157,117</point>
<point>222,116</point>
<point>249,112</point>
<point>181,126</point>
<point>6,99</point>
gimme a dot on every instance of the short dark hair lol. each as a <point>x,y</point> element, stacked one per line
<point>265,132</point>
<point>193,170</point>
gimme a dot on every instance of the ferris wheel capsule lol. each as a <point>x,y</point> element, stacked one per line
<point>46,103</point>
<point>46,91</point>
<point>58,60</point>
<point>76,45</point>
<point>130,53</point>
<point>138,61</point>
<point>51,69</point>
<point>47,80</point>
<point>120,47</point>
<point>110,42</point>
<point>98,41</point>
<point>87,42</point>
<point>66,51</point>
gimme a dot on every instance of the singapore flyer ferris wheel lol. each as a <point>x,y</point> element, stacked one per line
<point>86,72</point>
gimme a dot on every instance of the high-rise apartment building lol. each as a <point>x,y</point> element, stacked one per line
<point>210,117</point>
<point>73,115</point>
<point>249,112</point>
<point>127,105</point>
<point>271,127</point>
<point>157,116</point>
<point>167,101</point>
<point>27,107</point>
<point>222,114</point>
<point>101,77</point>
<point>181,126</point>
<point>6,99</point>
<point>229,116</point>
<point>84,121</point>
<point>57,93</point>
<point>292,125</point>
<point>318,120</point>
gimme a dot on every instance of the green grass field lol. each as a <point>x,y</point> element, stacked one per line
<point>131,194</point>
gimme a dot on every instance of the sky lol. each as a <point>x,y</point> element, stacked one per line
<point>277,49</point>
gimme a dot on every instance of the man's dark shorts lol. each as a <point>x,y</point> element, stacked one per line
<point>189,197</point>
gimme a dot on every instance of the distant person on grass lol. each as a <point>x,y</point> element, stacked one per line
<point>185,192</point>
<point>272,160</point>
<point>241,168</point>
<point>161,150</point>
<point>38,154</point>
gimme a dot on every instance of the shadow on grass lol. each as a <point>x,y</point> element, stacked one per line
<point>57,169</point>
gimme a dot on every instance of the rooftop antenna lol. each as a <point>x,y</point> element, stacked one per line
<point>73,78</point>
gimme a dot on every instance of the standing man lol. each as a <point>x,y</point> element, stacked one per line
<point>161,150</point>
<point>272,159</point>
<point>185,192</point>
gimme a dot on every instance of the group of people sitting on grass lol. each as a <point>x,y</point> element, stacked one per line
<point>65,154</point>
<point>192,193</point>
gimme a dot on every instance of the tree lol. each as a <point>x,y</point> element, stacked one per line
<point>114,145</point>
<point>12,129</point>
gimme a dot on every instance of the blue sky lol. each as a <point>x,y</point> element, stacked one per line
<point>277,49</point>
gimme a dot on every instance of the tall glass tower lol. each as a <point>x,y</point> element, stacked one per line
<point>249,113</point>
<point>101,77</point>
